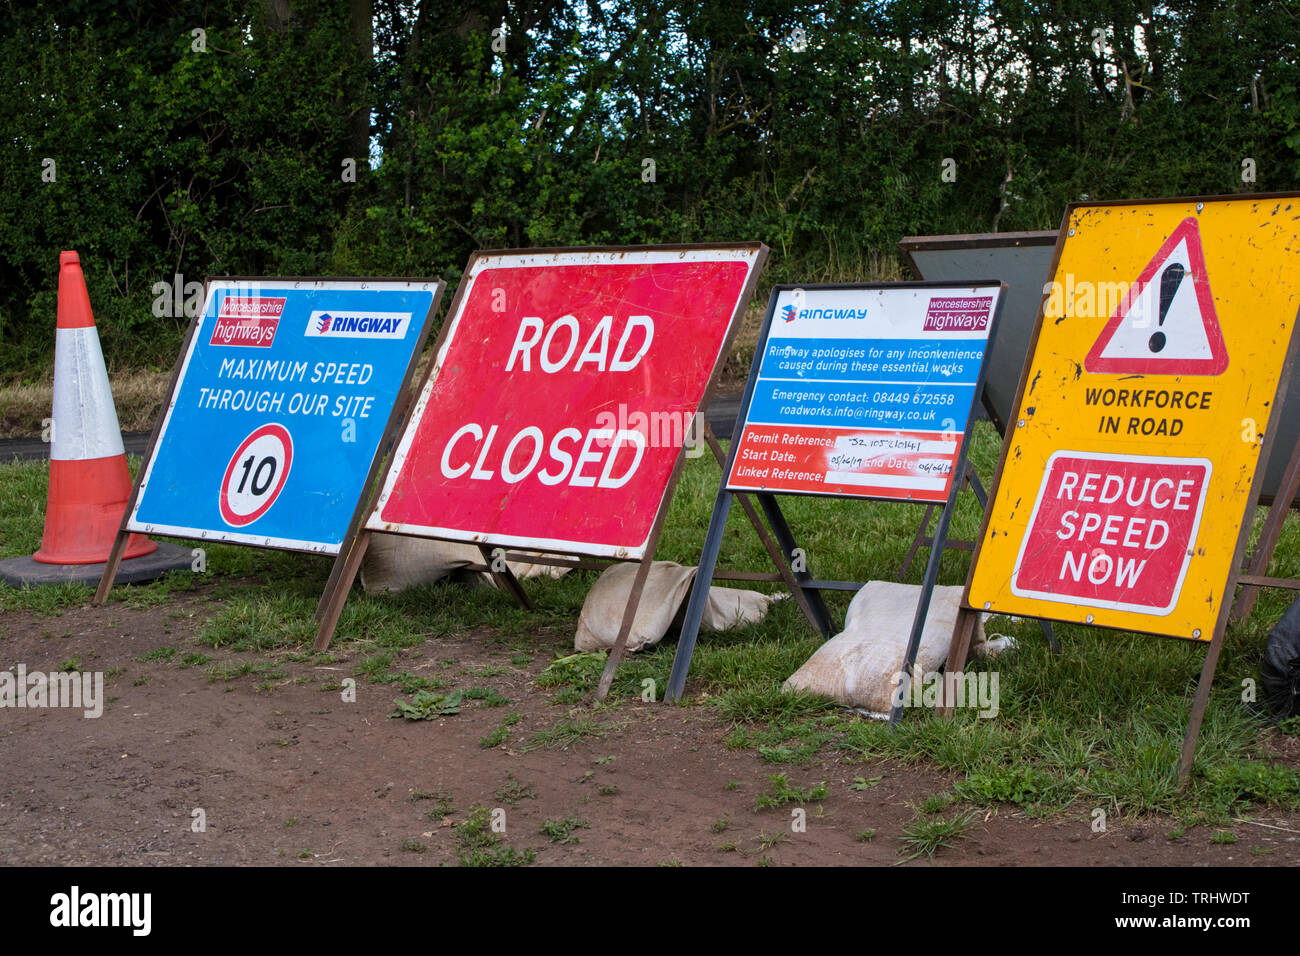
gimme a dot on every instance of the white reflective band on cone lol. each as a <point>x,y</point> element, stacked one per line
<point>85,420</point>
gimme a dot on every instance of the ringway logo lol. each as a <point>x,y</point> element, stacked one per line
<point>358,325</point>
<point>789,313</point>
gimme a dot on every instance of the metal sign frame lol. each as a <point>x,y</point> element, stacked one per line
<point>350,556</point>
<point>401,400</point>
<point>908,248</point>
<point>808,589</point>
<point>968,615</point>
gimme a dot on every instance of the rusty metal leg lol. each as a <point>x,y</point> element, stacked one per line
<point>773,551</point>
<point>1269,535</point>
<point>785,538</point>
<point>962,632</point>
<point>505,578</point>
<point>1198,707</point>
<point>920,539</point>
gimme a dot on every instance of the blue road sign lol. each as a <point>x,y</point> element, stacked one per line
<point>284,396</point>
<point>864,391</point>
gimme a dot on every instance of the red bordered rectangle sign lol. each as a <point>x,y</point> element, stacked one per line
<point>563,391</point>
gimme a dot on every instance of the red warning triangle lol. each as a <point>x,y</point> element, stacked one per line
<point>1166,323</point>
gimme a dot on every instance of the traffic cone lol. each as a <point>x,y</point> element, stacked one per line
<point>89,480</point>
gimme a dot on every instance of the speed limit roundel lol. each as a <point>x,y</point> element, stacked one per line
<point>256,475</point>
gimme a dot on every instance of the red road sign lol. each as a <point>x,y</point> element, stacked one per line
<point>1166,323</point>
<point>563,392</point>
<point>1112,531</point>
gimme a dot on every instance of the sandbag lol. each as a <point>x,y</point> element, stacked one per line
<point>735,607</point>
<point>859,666</point>
<point>394,563</point>
<point>1279,671</point>
<point>666,587</point>
<point>523,570</point>
<point>662,602</point>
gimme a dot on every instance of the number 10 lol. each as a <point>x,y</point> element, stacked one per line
<point>259,486</point>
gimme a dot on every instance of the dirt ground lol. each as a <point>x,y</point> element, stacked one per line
<point>294,775</point>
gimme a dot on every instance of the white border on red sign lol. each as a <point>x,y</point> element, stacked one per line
<point>540,260</point>
<point>1094,602</point>
<point>253,286</point>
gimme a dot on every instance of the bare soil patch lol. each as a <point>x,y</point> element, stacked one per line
<point>287,772</point>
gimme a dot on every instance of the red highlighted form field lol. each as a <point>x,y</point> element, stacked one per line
<point>875,463</point>
<point>1114,531</point>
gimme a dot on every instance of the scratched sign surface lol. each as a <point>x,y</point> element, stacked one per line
<point>1129,459</point>
<point>563,393</point>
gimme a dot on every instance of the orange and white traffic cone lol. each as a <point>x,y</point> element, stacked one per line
<point>89,480</point>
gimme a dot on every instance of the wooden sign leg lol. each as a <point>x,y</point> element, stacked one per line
<point>962,633</point>
<point>625,628</point>
<point>506,579</point>
<point>1269,535</point>
<point>110,568</point>
<point>332,582</point>
<point>638,583</point>
<point>332,601</point>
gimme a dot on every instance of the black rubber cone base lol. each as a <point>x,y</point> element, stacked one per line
<point>24,572</point>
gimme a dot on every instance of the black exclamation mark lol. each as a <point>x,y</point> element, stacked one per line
<point>1170,280</point>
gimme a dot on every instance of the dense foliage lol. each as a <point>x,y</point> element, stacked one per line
<point>822,129</point>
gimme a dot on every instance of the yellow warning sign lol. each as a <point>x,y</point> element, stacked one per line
<point>1127,468</point>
